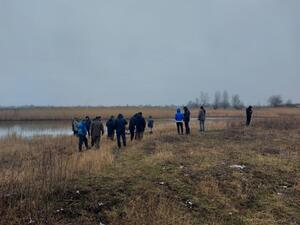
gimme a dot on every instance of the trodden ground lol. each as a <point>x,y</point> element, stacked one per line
<point>229,175</point>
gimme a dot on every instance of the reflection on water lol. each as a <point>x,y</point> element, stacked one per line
<point>35,128</point>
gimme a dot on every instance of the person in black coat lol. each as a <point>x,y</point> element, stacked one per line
<point>88,123</point>
<point>186,119</point>
<point>110,124</point>
<point>132,126</point>
<point>140,123</point>
<point>121,129</point>
<point>249,112</point>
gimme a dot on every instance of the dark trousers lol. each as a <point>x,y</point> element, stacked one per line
<point>187,127</point>
<point>96,141</point>
<point>202,125</point>
<point>248,121</point>
<point>139,135</point>
<point>110,134</point>
<point>179,127</point>
<point>82,140</point>
<point>131,135</point>
<point>119,136</point>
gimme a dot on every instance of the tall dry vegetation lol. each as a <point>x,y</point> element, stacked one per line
<point>68,113</point>
<point>164,179</point>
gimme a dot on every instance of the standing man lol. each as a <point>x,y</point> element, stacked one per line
<point>121,129</point>
<point>179,121</point>
<point>132,126</point>
<point>88,123</point>
<point>82,133</point>
<point>110,124</point>
<point>97,130</point>
<point>186,119</point>
<point>201,118</point>
<point>140,126</point>
<point>150,124</point>
<point>249,112</point>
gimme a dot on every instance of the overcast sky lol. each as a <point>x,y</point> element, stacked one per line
<point>118,52</point>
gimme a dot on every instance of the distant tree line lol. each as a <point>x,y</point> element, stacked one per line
<point>222,100</point>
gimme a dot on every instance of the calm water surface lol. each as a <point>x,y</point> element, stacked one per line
<point>55,128</point>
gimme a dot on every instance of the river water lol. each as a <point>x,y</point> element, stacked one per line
<point>57,128</point>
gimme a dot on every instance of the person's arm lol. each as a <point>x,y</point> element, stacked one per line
<point>102,128</point>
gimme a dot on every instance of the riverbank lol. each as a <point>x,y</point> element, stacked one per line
<point>230,175</point>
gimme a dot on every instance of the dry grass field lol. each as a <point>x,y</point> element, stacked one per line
<point>165,179</point>
<point>67,113</point>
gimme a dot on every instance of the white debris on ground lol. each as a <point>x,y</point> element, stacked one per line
<point>238,167</point>
<point>78,192</point>
<point>189,203</point>
<point>100,204</point>
<point>181,167</point>
<point>59,210</point>
<point>162,183</point>
<point>31,221</point>
<point>102,223</point>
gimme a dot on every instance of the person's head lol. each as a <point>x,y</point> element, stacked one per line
<point>202,108</point>
<point>112,117</point>
<point>250,106</point>
<point>150,117</point>
<point>87,117</point>
<point>178,110</point>
<point>120,116</point>
<point>140,113</point>
<point>98,118</point>
<point>185,108</point>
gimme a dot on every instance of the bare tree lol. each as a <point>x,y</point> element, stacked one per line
<point>289,103</point>
<point>275,100</point>
<point>217,100</point>
<point>204,98</point>
<point>236,102</point>
<point>225,100</point>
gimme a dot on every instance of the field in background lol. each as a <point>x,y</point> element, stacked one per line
<point>68,113</point>
<point>164,179</point>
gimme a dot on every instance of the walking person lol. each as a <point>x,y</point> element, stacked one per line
<point>82,133</point>
<point>88,123</point>
<point>201,118</point>
<point>97,130</point>
<point>75,124</point>
<point>140,126</point>
<point>186,119</point>
<point>121,129</point>
<point>249,112</point>
<point>132,126</point>
<point>179,121</point>
<point>110,125</point>
<point>150,124</point>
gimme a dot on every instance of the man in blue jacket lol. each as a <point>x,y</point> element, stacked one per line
<point>179,121</point>
<point>82,133</point>
<point>111,128</point>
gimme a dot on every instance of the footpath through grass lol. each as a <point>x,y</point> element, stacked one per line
<point>169,179</point>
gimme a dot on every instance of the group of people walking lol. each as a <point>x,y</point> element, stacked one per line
<point>86,128</point>
<point>94,129</point>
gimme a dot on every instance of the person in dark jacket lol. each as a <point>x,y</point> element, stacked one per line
<point>201,118</point>
<point>186,119</point>
<point>140,126</point>
<point>179,121</point>
<point>249,112</point>
<point>88,123</point>
<point>82,133</point>
<point>75,123</point>
<point>132,126</point>
<point>110,125</point>
<point>97,130</point>
<point>150,124</point>
<point>121,129</point>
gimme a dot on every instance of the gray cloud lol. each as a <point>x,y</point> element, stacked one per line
<point>96,52</point>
